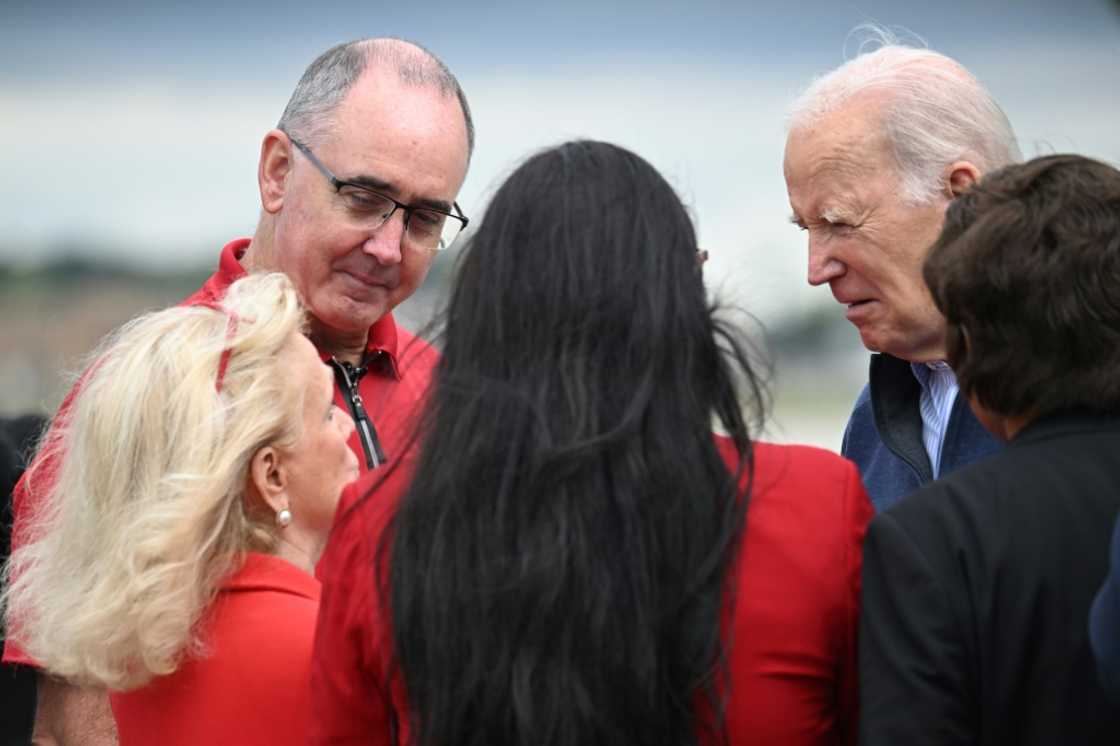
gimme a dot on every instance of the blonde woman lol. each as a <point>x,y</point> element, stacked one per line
<point>172,560</point>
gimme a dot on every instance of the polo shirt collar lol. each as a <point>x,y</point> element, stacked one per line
<point>229,263</point>
<point>271,573</point>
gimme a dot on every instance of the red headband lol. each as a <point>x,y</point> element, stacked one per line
<point>231,330</point>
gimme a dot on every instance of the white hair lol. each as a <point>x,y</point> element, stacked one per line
<point>934,112</point>
<point>131,538</point>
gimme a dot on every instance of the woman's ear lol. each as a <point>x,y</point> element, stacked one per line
<point>268,478</point>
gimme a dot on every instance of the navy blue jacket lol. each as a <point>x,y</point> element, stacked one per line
<point>884,434</point>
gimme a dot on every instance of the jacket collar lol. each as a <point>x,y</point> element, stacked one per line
<point>1065,423</point>
<point>895,397</point>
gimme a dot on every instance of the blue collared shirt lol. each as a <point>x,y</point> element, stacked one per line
<point>939,391</point>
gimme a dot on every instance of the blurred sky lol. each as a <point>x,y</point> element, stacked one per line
<point>133,128</point>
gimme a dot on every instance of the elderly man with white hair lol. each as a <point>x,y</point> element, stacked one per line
<point>876,150</point>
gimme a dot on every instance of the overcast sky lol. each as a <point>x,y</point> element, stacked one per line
<point>134,127</point>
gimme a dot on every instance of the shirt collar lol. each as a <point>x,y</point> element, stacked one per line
<point>923,371</point>
<point>268,572</point>
<point>229,264</point>
<point>382,339</point>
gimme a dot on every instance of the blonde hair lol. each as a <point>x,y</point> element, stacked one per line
<point>146,514</point>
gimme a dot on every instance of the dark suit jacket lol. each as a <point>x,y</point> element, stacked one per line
<point>17,683</point>
<point>976,592</point>
<point>1104,623</point>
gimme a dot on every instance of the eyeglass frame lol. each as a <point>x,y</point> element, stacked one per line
<point>338,184</point>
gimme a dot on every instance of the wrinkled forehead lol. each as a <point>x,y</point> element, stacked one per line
<point>827,167</point>
<point>835,151</point>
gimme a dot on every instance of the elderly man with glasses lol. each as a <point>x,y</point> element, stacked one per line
<point>358,184</point>
<point>877,150</point>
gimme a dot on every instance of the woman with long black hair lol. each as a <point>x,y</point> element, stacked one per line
<point>569,555</point>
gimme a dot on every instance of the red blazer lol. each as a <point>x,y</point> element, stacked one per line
<point>252,686</point>
<point>793,626</point>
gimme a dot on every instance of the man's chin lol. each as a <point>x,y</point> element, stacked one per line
<point>897,348</point>
<point>352,320</point>
<point>870,340</point>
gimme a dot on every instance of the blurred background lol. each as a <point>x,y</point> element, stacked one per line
<point>130,133</point>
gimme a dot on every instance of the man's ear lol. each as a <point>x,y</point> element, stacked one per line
<point>268,478</point>
<point>959,178</point>
<point>273,170</point>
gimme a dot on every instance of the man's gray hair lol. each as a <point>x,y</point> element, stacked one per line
<point>934,112</point>
<point>329,78</point>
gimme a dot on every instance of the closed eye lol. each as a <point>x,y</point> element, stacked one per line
<point>837,220</point>
<point>365,201</point>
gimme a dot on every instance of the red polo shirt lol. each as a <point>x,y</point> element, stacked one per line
<point>400,369</point>
<point>400,364</point>
<point>254,684</point>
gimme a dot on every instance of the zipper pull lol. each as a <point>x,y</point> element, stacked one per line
<point>367,434</point>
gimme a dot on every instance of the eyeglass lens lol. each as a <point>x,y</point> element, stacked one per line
<point>427,228</point>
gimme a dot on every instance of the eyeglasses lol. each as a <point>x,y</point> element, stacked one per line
<point>427,227</point>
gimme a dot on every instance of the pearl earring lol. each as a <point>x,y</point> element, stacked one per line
<point>283,517</point>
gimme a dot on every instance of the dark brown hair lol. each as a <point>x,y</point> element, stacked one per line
<point>1026,272</point>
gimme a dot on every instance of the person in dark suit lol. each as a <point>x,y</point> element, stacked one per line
<point>1104,623</point>
<point>977,587</point>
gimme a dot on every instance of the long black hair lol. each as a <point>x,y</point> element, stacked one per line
<point>558,564</point>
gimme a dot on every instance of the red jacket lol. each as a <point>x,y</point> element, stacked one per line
<point>793,652</point>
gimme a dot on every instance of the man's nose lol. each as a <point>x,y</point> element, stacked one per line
<point>823,266</point>
<point>384,242</point>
